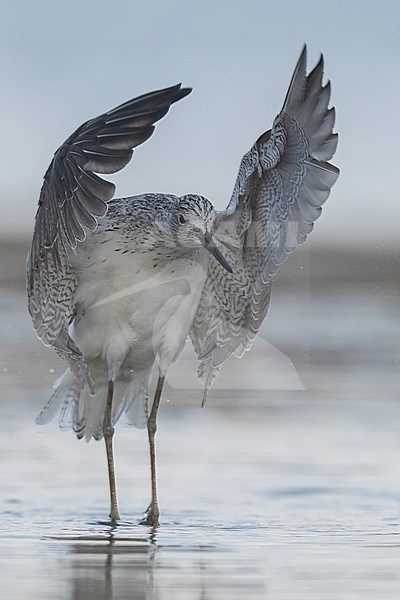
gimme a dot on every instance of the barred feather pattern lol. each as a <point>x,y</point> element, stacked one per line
<point>282,183</point>
<point>72,198</point>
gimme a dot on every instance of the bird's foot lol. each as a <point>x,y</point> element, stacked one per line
<point>151,518</point>
<point>114,515</point>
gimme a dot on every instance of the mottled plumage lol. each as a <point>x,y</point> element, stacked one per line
<point>282,183</point>
<point>71,201</point>
<point>117,291</point>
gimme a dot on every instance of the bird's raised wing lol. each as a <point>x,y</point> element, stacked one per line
<point>71,198</point>
<point>282,182</point>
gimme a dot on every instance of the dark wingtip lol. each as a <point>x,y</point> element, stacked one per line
<point>182,93</point>
<point>296,88</point>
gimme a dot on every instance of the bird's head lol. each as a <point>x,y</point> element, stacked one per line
<point>193,225</point>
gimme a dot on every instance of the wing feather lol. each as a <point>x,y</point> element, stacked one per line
<point>282,183</point>
<point>71,199</point>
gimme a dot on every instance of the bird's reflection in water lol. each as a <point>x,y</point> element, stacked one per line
<point>114,567</point>
<point>110,566</point>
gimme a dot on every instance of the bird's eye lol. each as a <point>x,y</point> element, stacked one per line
<point>181,219</point>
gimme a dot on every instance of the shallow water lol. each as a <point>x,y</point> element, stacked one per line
<point>286,486</point>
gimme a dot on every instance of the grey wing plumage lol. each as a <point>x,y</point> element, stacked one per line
<point>71,199</point>
<point>282,183</point>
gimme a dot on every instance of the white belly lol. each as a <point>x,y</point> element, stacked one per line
<point>132,308</point>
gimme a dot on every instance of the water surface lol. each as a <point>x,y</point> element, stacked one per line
<point>286,486</point>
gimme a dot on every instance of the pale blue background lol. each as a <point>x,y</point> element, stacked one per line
<point>64,62</point>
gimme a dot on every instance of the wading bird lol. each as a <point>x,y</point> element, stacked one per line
<point>117,286</point>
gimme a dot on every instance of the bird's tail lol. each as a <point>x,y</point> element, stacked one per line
<point>83,412</point>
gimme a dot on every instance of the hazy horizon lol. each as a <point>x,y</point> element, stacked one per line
<point>61,66</point>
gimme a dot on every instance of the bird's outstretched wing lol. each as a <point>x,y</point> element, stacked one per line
<point>71,198</point>
<point>282,182</point>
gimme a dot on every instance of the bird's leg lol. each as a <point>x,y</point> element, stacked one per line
<point>153,511</point>
<point>108,432</point>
